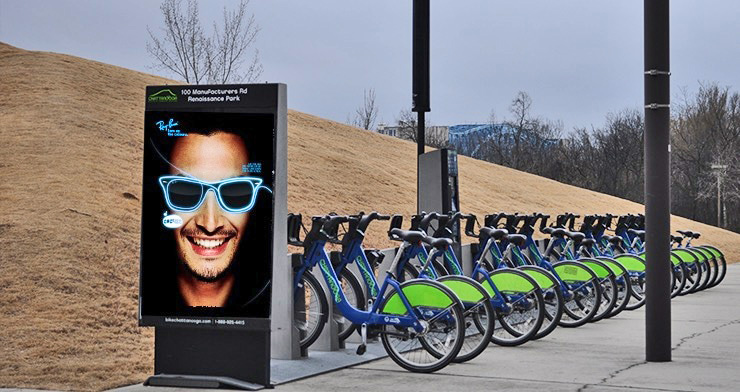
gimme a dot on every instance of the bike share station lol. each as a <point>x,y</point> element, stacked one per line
<point>248,336</point>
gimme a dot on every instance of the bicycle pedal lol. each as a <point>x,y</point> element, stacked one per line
<point>361,349</point>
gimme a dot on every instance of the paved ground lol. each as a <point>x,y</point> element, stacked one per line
<point>604,356</point>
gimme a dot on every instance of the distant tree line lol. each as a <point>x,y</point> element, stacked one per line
<point>705,133</point>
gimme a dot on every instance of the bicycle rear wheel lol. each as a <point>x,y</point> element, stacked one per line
<point>624,292</point>
<point>479,315</point>
<point>551,294</point>
<point>707,267</point>
<point>621,278</point>
<point>693,278</point>
<point>721,263</point>
<point>706,273</point>
<point>444,327</point>
<point>637,286</point>
<point>607,286</point>
<point>679,278</point>
<point>520,310</point>
<point>583,295</point>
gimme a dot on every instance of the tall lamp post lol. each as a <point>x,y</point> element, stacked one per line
<point>657,182</point>
<point>420,87</point>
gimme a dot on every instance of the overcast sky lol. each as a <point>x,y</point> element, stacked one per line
<point>578,60</point>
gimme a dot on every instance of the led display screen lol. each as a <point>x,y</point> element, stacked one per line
<point>207,215</point>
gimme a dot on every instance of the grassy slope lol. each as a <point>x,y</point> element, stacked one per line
<point>70,169</point>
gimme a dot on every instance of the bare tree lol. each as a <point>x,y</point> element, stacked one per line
<point>525,142</point>
<point>187,51</point>
<point>520,108</point>
<point>706,131</point>
<point>408,129</point>
<point>366,114</point>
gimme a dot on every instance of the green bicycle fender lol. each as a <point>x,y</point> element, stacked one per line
<point>684,255</point>
<point>542,280</point>
<point>616,268</point>
<point>572,273</point>
<point>631,262</point>
<point>600,271</point>
<point>674,259</point>
<point>465,291</point>
<point>716,252</point>
<point>507,282</point>
<point>705,253</point>
<point>418,294</point>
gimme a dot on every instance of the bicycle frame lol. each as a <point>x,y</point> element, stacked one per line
<point>318,256</point>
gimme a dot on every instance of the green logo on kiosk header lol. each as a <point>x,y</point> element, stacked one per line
<point>165,95</point>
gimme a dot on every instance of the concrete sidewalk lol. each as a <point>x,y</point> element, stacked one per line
<point>603,356</point>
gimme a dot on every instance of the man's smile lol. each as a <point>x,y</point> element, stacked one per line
<point>209,246</point>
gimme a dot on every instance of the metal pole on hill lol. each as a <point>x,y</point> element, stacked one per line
<point>420,87</point>
<point>657,182</point>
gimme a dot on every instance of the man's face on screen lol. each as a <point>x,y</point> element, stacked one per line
<point>209,237</point>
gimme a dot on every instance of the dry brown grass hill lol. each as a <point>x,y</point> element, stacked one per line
<point>70,177</point>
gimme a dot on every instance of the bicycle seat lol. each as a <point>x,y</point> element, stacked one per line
<point>575,235</point>
<point>497,234</point>
<point>614,239</point>
<point>696,234</point>
<point>676,238</point>
<point>686,233</point>
<point>411,236</point>
<point>557,232</point>
<point>588,242</point>
<point>439,243</point>
<point>636,232</point>
<point>517,239</point>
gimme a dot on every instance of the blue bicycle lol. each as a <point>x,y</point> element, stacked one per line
<point>516,298</point>
<point>420,322</point>
<point>577,283</point>
<point>479,313</point>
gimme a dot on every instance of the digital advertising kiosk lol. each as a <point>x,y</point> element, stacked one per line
<point>212,227</point>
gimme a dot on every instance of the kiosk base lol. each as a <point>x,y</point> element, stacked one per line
<point>212,357</point>
<point>184,381</point>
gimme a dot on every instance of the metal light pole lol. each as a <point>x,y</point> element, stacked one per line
<point>657,182</point>
<point>420,88</point>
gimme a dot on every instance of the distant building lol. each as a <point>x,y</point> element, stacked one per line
<point>390,130</point>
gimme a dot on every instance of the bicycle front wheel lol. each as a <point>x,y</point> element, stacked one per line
<point>441,314</point>
<point>355,296</point>
<point>520,308</point>
<point>312,316</point>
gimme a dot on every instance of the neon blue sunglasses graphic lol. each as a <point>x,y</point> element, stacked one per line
<point>186,194</point>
